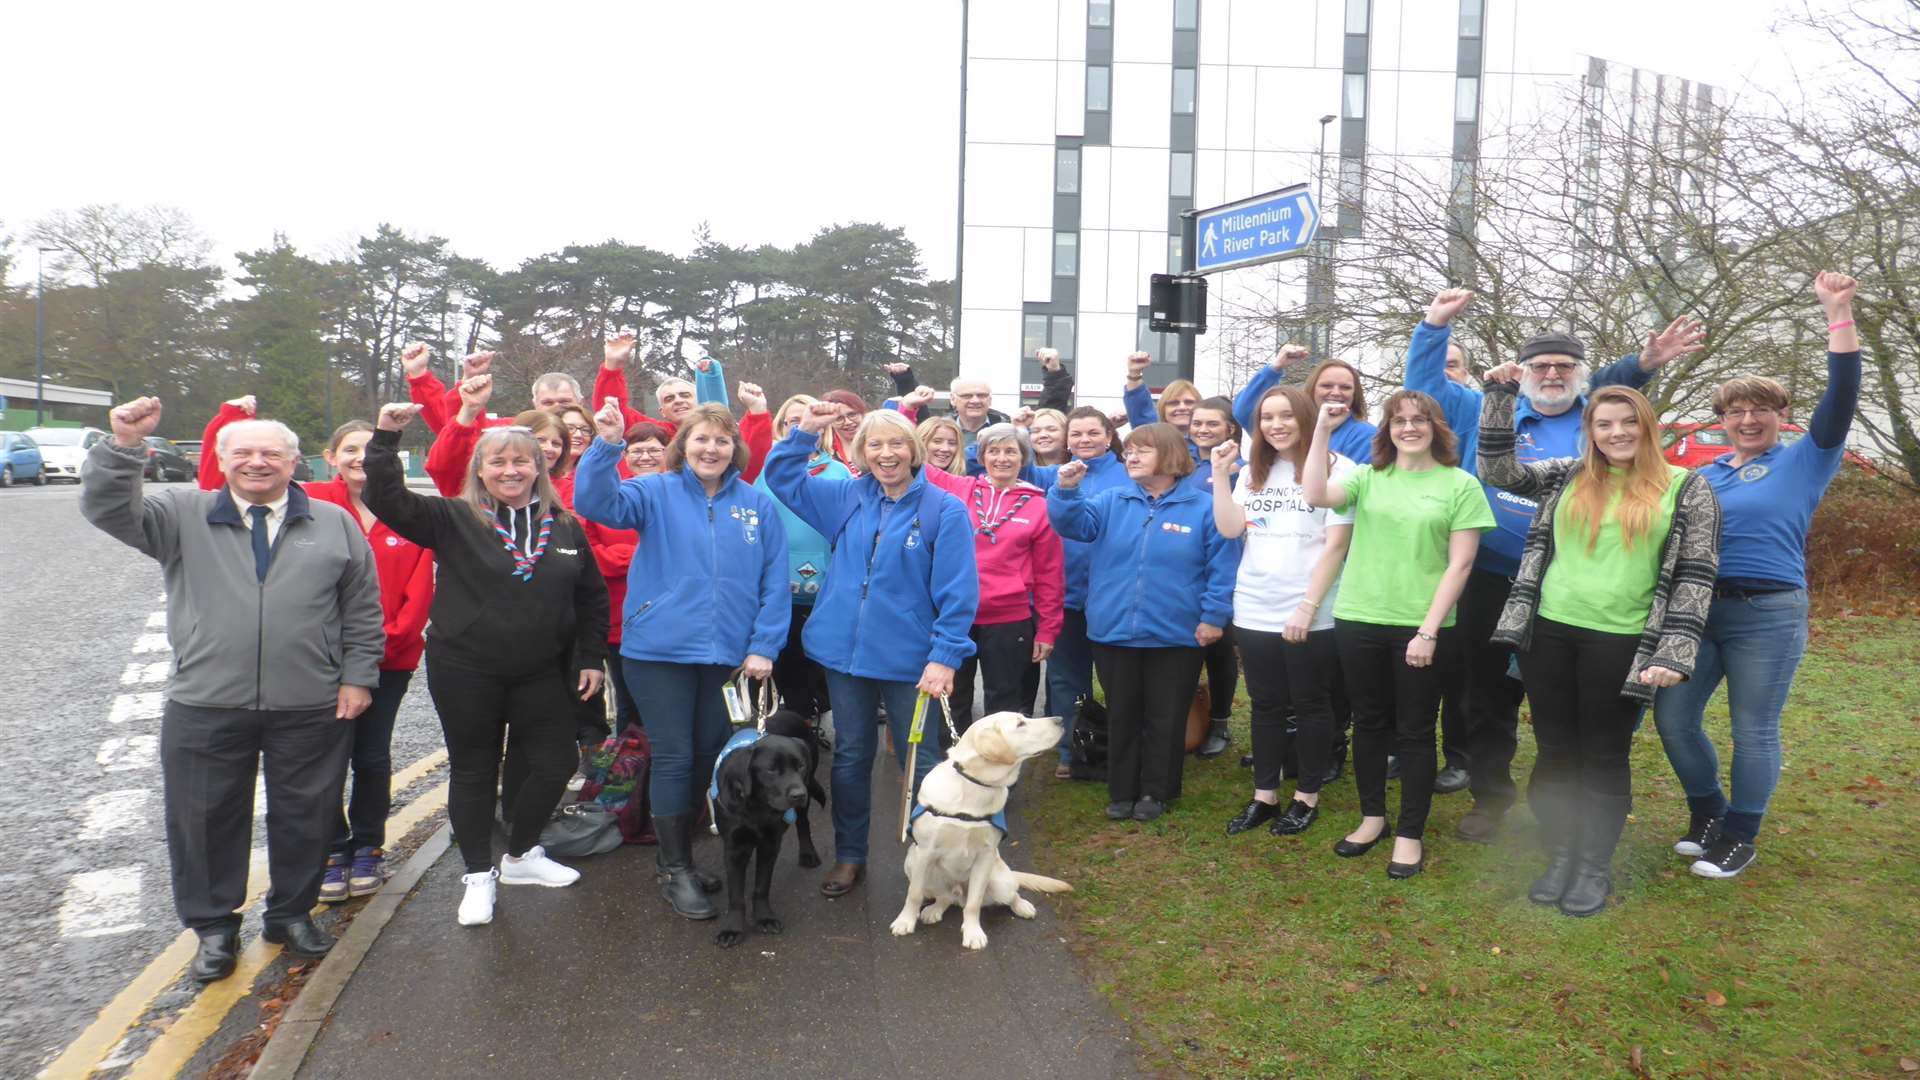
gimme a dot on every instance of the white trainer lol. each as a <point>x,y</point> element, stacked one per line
<point>476,908</point>
<point>534,868</point>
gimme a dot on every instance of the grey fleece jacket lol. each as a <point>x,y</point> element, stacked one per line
<point>288,643</point>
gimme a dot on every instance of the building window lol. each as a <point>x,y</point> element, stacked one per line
<point>1174,265</point>
<point>1099,12</point>
<point>1352,191</point>
<point>1358,12</point>
<point>1033,334</point>
<point>1186,14</point>
<point>1470,18</point>
<point>1466,100</point>
<point>1066,171</point>
<point>1066,254</point>
<point>1180,184</point>
<point>1183,84</point>
<point>1099,81</point>
<point>1153,344</point>
<point>1353,102</point>
<point>1062,336</point>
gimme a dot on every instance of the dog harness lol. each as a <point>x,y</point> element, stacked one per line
<point>998,819</point>
<point>741,739</point>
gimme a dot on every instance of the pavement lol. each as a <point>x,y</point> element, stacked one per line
<point>601,979</point>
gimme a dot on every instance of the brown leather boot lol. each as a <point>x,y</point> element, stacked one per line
<point>841,879</point>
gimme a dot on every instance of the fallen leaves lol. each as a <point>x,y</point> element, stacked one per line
<point>1907,1064</point>
<point>1637,1061</point>
<point>1716,999</point>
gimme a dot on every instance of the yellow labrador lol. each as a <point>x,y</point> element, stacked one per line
<point>955,854</point>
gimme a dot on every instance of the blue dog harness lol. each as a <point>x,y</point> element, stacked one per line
<point>741,739</point>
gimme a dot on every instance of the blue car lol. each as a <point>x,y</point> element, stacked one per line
<point>20,459</point>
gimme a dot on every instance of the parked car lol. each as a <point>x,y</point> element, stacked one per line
<point>20,459</point>
<point>63,449</point>
<point>165,462</point>
<point>191,448</point>
<point>1700,444</point>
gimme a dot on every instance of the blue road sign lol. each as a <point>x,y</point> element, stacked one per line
<point>1271,226</point>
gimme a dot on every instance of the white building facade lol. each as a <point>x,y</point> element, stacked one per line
<point>1091,125</point>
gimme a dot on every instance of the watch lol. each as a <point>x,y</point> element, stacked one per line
<point>1424,636</point>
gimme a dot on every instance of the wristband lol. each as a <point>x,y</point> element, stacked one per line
<point>1832,326</point>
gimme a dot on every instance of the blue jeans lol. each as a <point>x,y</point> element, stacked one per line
<point>1069,675</point>
<point>365,823</point>
<point>856,738</point>
<point>687,725</point>
<point>1755,644</point>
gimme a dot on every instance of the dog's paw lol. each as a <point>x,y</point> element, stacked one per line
<point>767,924</point>
<point>933,913</point>
<point>809,859</point>
<point>729,937</point>
<point>1022,908</point>
<point>973,937</point>
<point>903,925</point>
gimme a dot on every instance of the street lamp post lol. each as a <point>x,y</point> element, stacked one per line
<point>39,334</point>
<point>1323,264</point>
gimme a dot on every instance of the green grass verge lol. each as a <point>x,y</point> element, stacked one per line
<point>1268,956</point>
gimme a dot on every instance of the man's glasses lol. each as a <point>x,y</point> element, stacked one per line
<point>1553,369</point>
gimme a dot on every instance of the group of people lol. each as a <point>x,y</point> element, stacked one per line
<point>1523,540</point>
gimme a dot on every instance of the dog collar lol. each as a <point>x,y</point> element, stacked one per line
<point>964,776</point>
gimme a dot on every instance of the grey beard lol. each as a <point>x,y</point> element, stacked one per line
<point>1530,388</point>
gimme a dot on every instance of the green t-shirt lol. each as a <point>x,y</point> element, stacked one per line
<point>1402,522</point>
<point>1610,588</point>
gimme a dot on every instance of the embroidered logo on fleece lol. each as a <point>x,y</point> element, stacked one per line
<point>1753,472</point>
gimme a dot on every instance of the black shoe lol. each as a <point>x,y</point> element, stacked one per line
<point>673,868</point>
<point>1246,761</point>
<point>215,960</point>
<point>1147,809</point>
<point>1347,849</point>
<point>1255,815</point>
<point>1120,810</point>
<point>1480,824</point>
<point>1393,767</point>
<point>1595,832</point>
<point>1338,769</point>
<point>1702,833</point>
<point>1401,871</point>
<point>1550,886</point>
<point>1725,859</point>
<point>1298,816</point>
<point>1219,737</point>
<point>300,937</point>
<point>1449,780</point>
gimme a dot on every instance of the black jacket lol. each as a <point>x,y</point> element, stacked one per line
<point>484,618</point>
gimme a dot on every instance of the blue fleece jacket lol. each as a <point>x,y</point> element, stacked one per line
<point>1537,437</point>
<point>808,556</point>
<point>1352,440</point>
<point>905,588</point>
<point>708,584</point>
<point>1158,569</point>
<point>711,385</point>
<point>1104,472</point>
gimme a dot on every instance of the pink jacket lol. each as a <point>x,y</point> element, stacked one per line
<point>1022,567</point>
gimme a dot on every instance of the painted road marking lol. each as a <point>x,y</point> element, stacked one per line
<point>138,672</point>
<point>101,902</point>
<point>157,621</point>
<point>117,813</point>
<point>151,643</point>
<point>131,752</point>
<point>146,705</point>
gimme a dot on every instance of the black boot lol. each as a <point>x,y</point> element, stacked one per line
<point>1217,740</point>
<point>673,867</point>
<point>1598,830</point>
<point>1556,839</point>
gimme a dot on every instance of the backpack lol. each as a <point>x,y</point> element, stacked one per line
<point>617,782</point>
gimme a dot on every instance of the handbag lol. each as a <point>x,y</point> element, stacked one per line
<point>1199,717</point>
<point>581,828</point>
<point>617,781</point>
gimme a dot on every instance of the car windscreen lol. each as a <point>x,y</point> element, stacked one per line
<point>58,436</point>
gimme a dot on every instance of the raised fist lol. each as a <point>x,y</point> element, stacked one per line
<point>476,364</point>
<point>1835,291</point>
<point>135,420</point>
<point>1049,358</point>
<point>1024,417</point>
<point>1288,354</point>
<point>820,415</point>
<point>895,368</point>
<point>396,415</point>
<point>246,404</point>
<point>917,398</point>
<point>1333,414</point>
<point>475,392</point>
<point>1446,304</point>
<point>1224,456</point>
<point>1508,372</point>
<point>750,395</point>
<point>611,424</point>
<point>1137,365</point>
<point>414,359</point>
<point>1070,474</point>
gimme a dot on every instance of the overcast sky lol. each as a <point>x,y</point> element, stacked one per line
<point>516,129</point>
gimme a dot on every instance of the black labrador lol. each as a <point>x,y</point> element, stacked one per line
<point>758,786</point>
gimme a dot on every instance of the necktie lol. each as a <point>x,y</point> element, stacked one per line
<point>262,551</point>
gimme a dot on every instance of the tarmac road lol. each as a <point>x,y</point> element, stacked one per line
<point>84,895</point>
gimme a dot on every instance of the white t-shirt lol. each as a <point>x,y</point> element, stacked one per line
<point>1283,542</point>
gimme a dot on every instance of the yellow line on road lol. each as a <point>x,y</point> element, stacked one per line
<point>132,1002</point>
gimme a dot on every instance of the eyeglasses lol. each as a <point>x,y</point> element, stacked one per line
<point>647,451</point>
<point>1409,421</point>
<point>580,429</point>
<point>1758,412</point>
<point>1555,369</point>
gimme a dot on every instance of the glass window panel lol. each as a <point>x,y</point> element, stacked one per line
<point>1173,254</point>
<point>1066,254</point>
<point>1066,171</point>
<point>1183,88</point>
<point>1180,185</point>
<point>1470,18</point>
<point>1033,334</point>
<point>1352,190</point>
<point>1098,84</point>
<point>1186,14</point>
<point>1353,103</point>
<point>1466,100</point>
<point>1357,12</point>
<point>1063,335</point>
<point>1100,12</point>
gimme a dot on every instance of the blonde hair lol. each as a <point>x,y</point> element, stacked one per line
<point>782,429</point>
<point>541,422</point>
<point>708,415</point>
<point>1064,454</point>
<point>1176,388</point>
<point>943,423</point>
<point>885,418</point>
<point>1643,485</point>
<point>1173,458</point>
<point>518,437</point>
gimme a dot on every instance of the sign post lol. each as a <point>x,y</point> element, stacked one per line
<point>1277,225</point>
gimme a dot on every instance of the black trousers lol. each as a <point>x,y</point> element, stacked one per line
<point>1580,719</point>
<point>1223,674</point>
<point>1456,721</point>
<point>1002,652</point>
<point>1148,694</point>
<point>479,710</point>
<point>801,682</point>
<point>590,724</point>
<point>1394,705</point>
<point>1492,696</point>
<point>209,760</point>
<point>365,823</point>
<point>1283,677</point>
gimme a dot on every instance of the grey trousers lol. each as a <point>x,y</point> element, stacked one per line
<point>209,759</point>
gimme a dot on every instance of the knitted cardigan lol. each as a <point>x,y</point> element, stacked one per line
<point>1689,559</point>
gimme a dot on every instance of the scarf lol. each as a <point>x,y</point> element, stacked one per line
<point>523,562</point>
<point>989,522</point>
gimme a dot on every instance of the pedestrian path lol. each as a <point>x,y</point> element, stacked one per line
<point>601,980</point>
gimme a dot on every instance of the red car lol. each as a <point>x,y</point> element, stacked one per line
<point>1699,444</point>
